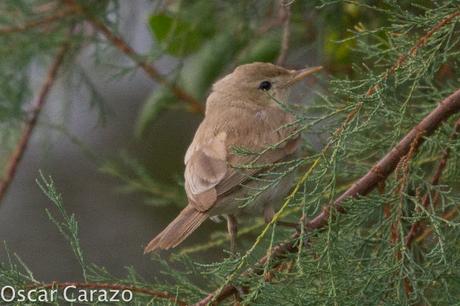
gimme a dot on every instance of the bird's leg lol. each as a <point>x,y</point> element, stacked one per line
<point>232,227</point>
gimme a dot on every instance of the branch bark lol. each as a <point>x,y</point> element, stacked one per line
<point>37,106</point>
<point>58,15</point>
<point>377,174</point>
<point>124,47</point>
<point>286,15</point>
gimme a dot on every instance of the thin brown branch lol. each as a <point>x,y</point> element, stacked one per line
<point>45,21</point>
<point>396,227</point>
<point>378,173</point>
<point>271,23</point>
<point>29,125</point>
<point>387,164</point>
<point>124,47</point>
<point>416,227</point>
<point>286,16</point>
<point>134,289</point>
<point>420,43</point>
<point>401,60</point>
<point>403,177</point>
<point>424,39</point>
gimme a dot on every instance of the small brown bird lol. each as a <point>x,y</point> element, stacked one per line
<point>242,110</point>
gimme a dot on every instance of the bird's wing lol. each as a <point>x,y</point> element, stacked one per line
<point>206,166</point>
<point>210,167</point>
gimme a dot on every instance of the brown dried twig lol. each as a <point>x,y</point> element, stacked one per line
<point>402,176</point>
<point>150,70</point>
<point>420,43</point>
<point>417,226</point>
<point>37,106</point>
<point>401,60</point>
<point>139,290</point>
<point>378,173</point>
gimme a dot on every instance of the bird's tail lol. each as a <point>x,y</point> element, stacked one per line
<point>180,228</point>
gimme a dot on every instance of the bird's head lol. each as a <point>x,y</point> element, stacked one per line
<point>261,83</point>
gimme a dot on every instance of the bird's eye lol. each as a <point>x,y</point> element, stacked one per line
<point>265,85</point>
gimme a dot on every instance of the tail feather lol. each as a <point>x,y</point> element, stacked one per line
<point>180,228</point>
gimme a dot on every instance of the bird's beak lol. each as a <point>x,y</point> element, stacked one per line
<point>301,74</point>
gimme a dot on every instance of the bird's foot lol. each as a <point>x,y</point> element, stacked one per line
<point>232,227</point>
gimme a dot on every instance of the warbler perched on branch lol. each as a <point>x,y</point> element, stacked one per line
<point>243,110</point>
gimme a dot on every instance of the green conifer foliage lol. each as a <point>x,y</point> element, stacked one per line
<point>378,193</point>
